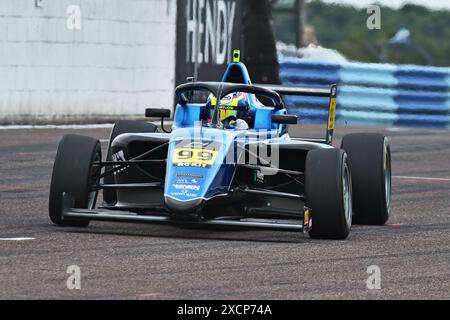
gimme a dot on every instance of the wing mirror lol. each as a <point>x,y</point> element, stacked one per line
<point>158,113</point>
<point>284,119</point>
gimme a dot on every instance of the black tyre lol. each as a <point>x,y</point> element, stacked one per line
<point>74,173</point>
<point>120,127</point>
<point>328,193</point>
<point>369,157</point>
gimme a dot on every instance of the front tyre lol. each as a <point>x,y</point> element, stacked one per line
<point>328,193</point>
<point>74,173</point>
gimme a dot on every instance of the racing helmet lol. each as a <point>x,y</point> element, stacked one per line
<point>233,106</point>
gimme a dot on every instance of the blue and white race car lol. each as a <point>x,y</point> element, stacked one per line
<point>228,161</point>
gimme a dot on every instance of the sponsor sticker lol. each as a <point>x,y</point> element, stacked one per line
<point>189,181</point>
<point>306,217</point>
<point>119,156</point>
<point>307,221</point>
<point>332,114</point>
<point>190,175</point>
<point>184,193</point>
<point>259,176</point>
<point>186,187</point>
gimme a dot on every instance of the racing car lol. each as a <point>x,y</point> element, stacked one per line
<point>207,171</point>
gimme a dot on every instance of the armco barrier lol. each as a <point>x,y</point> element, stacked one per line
<point>372,93</point>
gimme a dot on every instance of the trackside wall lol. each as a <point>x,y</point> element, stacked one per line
<point>63,60</point>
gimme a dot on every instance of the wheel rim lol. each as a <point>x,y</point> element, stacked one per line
<point>346,188</point>
<point>387,174</point>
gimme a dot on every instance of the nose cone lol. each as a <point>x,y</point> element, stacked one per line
<point>186,190</point>
<point>195,170</point>
<point>182,206</point>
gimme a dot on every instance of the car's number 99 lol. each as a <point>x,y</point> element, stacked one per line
<point>190,156</point>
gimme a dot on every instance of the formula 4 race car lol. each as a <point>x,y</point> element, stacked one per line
<point>209,172</point>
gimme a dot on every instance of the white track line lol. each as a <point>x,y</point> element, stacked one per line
<point>421,178</point>
<point>397,129</point>
<point>16,239</point>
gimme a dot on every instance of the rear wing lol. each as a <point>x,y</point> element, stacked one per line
<point>313,92</point>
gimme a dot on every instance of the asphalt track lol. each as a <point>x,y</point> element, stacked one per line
<point>128,261</point>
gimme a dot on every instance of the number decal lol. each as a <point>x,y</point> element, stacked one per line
<point>205,155</point>
<point>184,154</point>
<point>194,157</point>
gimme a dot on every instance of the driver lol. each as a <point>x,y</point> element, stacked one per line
<point>234,110</point>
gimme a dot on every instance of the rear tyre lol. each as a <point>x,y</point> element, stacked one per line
<point>369,157</point>
<point>120,127</point>
<point>74,174</point>
<point>328,193</point>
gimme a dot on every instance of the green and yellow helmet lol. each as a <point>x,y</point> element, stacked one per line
<point>231,107</point>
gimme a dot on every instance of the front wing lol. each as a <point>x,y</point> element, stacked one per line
<point>125,216</point>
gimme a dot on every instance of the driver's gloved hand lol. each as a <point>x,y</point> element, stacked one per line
<point>239,124</point>
<point>228,122</point>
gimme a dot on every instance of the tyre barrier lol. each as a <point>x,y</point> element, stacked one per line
<point>371,94</point>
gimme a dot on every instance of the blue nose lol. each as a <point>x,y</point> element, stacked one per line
<point>185,206</point>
